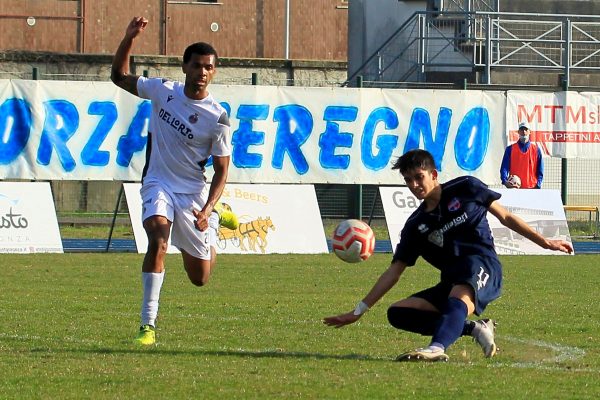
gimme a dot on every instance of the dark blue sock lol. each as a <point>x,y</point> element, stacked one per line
<point>450,326</point>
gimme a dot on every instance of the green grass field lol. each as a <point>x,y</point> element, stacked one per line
<point>255,331</point>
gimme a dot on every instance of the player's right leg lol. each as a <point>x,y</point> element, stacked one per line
<point>430,353</point>
<point>485,277</point>
<point>146,336</point>
<point>157,215</point>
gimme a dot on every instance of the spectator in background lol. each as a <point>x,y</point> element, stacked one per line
<point>522,159</point>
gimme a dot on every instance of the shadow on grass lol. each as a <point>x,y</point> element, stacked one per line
<point>218,353</point>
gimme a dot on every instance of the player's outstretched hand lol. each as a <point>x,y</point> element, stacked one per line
<point>560,245</point>
<point>341,320</point>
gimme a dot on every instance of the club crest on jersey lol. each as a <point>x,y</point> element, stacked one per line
<point>454,204</point>
<point>193,118</point>
<point>422,228</point>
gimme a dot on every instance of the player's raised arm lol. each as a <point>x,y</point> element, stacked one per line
<point>120,65</point>
<point>516,224</point>
<point>386,281</point>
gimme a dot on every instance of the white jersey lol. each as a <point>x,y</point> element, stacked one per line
<point>182,134</point>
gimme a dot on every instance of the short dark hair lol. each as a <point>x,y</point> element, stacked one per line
<point>412,159</point>
<point>200,48</point>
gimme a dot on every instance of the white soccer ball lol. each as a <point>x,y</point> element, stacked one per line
<point>353,241</point>
<point>515,180</point>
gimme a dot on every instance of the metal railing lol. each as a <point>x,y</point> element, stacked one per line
<point>433,41</point>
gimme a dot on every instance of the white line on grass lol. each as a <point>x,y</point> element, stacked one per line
<point>562,353</point>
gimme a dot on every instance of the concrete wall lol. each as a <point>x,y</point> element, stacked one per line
<point>82,67</point>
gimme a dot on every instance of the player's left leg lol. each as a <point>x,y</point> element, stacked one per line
<point>421,313</point>
<point>197,247</point>
<point>227,218</point>
<point>198,270</point>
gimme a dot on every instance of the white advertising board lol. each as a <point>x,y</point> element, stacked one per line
<point>541,209</point>
<point>273,219</point>
<point>28,219</point>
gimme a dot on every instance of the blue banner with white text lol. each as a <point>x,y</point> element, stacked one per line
<point>95,131</point>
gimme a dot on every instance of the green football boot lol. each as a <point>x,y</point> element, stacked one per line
<point>227,218</point>
<point>146,336</point>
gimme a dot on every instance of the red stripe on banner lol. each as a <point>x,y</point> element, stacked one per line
<point>559,137</point>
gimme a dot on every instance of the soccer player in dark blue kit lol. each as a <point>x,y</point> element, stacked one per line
<point>450,231</point>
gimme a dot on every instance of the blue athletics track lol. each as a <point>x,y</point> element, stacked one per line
<point>128,245</point>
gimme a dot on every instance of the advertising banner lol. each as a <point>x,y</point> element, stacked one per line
<point>28,221</point>
<point>541,209</point>
<point>273,219</point>
<point>95,131</point>
<point>563,124</point>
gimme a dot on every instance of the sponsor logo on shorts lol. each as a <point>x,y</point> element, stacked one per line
<point>483,278</point>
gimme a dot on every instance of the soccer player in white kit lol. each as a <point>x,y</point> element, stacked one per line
<point>187,125</point>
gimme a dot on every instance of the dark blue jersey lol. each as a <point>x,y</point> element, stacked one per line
<point>457,227</point>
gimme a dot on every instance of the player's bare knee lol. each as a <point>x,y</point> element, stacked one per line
<point>157,246</point>
<point>199,280</point>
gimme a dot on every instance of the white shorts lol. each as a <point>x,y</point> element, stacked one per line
<point>177,208</point>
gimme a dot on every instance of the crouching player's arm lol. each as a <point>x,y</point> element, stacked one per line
<point>516,224</point>
<point>386,281</point>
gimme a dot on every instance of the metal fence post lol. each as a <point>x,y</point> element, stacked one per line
<point>488,50</point>
<point>564,160</point>
<point>359,192</point>
<point>114,218</point>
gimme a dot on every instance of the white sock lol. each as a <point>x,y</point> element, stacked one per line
<point>435,346</point>
<point>151,283</point>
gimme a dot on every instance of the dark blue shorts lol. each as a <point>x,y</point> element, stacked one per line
<point>483,274</point>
